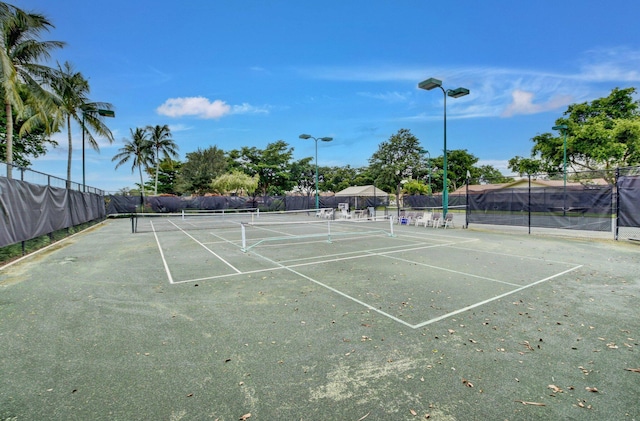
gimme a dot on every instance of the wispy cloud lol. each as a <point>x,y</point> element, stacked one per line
<point>523,104</point>
<point>204,108</point>
<point>501,91</point>
<point>387,96</point>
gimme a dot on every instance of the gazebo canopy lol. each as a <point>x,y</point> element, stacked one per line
<point>362,191</point>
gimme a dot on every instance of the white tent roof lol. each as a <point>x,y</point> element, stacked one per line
<point>362,191</point>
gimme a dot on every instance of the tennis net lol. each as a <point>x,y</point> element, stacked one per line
<point>260,232</point>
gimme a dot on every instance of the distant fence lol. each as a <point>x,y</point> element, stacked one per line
<point>28,210</point>
<point>34,204</point>
<point>36,177</point>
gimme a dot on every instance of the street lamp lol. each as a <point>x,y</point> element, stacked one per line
<point>428,85</point>
<point>563,129</point>
<point>324,139</point>
<point>103,113</point>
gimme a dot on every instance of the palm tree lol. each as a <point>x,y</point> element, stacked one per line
<point>20,54</point>
<point>138,150</point>
<point>161,143</point>
<point>72,90</point>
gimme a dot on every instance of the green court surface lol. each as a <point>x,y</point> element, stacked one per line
<point>343,321</point>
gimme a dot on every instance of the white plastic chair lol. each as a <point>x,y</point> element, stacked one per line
<point>424,219</point>
<point>436,220</point>
<point>448,221</point>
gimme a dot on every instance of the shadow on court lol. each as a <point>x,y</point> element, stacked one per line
<point>428,324</point>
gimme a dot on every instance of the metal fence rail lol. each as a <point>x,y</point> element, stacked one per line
<point>43,179</point>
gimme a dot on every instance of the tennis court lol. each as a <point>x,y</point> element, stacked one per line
<point>294,317</point>
<point>369,263</point>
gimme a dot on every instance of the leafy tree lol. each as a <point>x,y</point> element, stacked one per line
<point>487,174</point>
<point>161,144</point>
<point>601,135</point>
<point>522,165</point>
<point>21,72</point>
<point>30,144</point>
<point>135,150</point>
<point>272,165</point>
<point>303,175</point>
<point>399,158</point>
<point>415,187</point>
<point>72,90</point>
<point>199,170</point>
<point>167,176</point>
<point>335,179</point>
<point>235,182</point>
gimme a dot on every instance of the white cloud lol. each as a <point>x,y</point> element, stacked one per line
<point>194,106</point>
<point>522,103</point>
<point>202,107</point>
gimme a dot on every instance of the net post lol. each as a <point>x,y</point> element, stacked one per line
<point>391,226</point>
<point>328,231</point>
<point>244,238</point>
<point>182,211</point>
<point>134,223</point>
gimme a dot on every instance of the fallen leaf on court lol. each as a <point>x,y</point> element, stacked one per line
<point>227,360</point>
<point>467,383</point>
<point>189,395</point>
<point>427,416</point>
<point>635,370</point>
<point>612,346</point>
<point>591,389</point>
<point>473,341</point>
<point>555,388</point>
<point>531,403</point>
<point>414,413</point>
<point>581,404</point>
<point>360,419</point>
<point>245,416</point>
<point>451,331</point>
<point>526,343</point>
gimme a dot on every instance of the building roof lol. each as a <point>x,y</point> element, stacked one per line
<point>362,191</point>
<point>522,183</point>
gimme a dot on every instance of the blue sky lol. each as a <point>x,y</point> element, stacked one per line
<point>250,72</point>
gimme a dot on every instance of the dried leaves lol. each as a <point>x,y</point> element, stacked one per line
<point>531,403</point>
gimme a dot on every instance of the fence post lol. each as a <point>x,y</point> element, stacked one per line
<point>529,203</point>
<point>617,193</point>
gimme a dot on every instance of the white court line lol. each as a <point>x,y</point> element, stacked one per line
<point>453,313</point>
<point>362,303</point>
<point>451,270</point>
<point>207,248</point>
<point>290,268</point>
<point>164,261</point>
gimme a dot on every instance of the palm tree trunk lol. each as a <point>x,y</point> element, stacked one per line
<point>155,190</point>
<point>141,185</point>
<point>9,158</point>
<point>70,154</point>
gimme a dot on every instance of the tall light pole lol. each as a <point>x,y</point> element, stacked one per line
<point>563,129</point>
<point>103,113</point>
<point>428,85</point>
<point>324,139</point>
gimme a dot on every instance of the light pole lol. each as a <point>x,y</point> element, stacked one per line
<point>103,113</point>
<point>563,129</point>
<point>324,139</point>
<point>428,85</point>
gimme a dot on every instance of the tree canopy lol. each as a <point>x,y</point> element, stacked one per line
<point>600,135</point>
